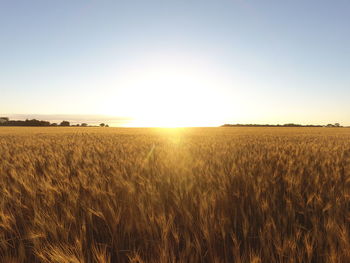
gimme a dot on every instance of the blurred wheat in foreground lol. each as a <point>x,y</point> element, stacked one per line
<point>185,195</point>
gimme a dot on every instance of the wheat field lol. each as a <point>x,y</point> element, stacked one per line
<point>70,195</point>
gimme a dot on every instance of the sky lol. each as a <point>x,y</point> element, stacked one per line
<point>183,62</point>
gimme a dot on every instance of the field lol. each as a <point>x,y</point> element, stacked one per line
<point>174,195</point>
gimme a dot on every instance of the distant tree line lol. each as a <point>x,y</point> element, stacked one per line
<point>5,121</point>
<point>279,125</point>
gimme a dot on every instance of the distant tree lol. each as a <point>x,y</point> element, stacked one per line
<point>7,122</point>
<point>33,122</point>
<point>292,125</point>
<point>54,124</point>
<point>272,125</point>
<point>4,119</point>
<point>65,123</point>
<point>329,125</point>
<point>102,125</point>
<point>337,124</point>
<point>84,125</point>
<point>107,125</point>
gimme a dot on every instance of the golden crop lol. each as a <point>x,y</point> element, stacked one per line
<point>174,195</point>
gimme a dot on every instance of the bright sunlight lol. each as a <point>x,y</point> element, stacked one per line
<point>172,93</point>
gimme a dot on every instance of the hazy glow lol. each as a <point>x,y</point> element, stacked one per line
<point>171,94</point>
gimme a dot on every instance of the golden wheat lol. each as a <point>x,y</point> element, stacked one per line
<point>174,195</point>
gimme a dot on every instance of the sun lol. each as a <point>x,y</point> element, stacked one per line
<point>167,94</point>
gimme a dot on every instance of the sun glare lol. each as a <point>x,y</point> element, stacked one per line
<point>172,95</point>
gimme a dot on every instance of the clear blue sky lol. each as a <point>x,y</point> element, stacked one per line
<point>272,61</point>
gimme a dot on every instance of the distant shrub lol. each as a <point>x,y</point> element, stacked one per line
<point>65,123</point>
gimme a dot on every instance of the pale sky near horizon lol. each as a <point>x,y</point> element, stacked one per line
<point>190,62</point>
